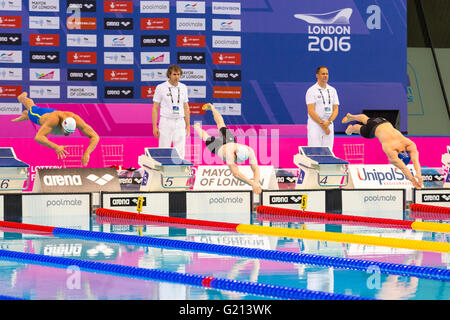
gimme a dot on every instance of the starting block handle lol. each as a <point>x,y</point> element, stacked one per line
<point>319,176</point>
<point>163,184</point>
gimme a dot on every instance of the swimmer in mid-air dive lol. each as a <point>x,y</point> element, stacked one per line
<point>229,150</point>
<point>58,123</point>
<point>399,149</point>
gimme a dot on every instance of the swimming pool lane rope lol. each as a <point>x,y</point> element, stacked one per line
<point>290,233</point>
<point>245,287</point>
<point>252,253</point>
<point>333,217</point>
<point>426,208</point>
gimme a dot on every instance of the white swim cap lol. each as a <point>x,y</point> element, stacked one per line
<point>242,154</point>
<point>69,125</point>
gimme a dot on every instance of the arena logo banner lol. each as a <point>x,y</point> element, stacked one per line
<point>154,203</point>
<point>292,199</point>
<point>76,180</point>
<point>435,196</point>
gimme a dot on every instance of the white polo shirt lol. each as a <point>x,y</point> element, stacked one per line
<point>171,99</point>
<point>324,99</point>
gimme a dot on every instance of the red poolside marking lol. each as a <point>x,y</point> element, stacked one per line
<point>428,208</point>
<point>150,217</point>
<point>332,216</point>
<point>207,282</point>
<point>24,226</point>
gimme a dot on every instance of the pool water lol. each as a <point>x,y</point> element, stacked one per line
<point>42,282</point>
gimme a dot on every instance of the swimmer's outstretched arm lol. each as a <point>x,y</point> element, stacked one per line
<point>41,138</point>
<point>394,159</point>
<point>93,139</point>
<point>240,176</point>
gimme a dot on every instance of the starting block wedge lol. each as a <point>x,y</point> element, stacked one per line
<point>164,170</point>
<point>14,174</point>
<point>320,168</point>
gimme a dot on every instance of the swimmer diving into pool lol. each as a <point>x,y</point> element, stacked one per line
<point>399,149</point>
<point>58,123</point>
<point>229,150</point>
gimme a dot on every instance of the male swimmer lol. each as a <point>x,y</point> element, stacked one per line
<point>399,149</point>
<point>57,123</point>
<point>226,147</point>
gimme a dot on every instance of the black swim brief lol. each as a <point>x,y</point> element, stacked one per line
<point>368,130</point>
<point>214,143</point>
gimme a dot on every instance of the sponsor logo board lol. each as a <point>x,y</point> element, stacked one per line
<point>118,58</point>
<point>119,92</point>
<point>37,22</point>
<point>193,41</point>
<point>44,74</point>
<point>82,75</point>
<point>82,40</point>
<point>44,57</point>
<point>45,92</point>
<point>10,74</point>
<point>191,57</point>
<point>82,92</point>
<point>155,24</point>
<point>226,58</point>
<point>230,8</point>
<point>227,92</point>
<point>155,6</point>
<point>81,57</point>
<point>10,39</point>
<point>76,180</point>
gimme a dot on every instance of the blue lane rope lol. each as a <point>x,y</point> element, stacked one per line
<point>310,259</point>
<point>246,287</point>
<point>9,298</point>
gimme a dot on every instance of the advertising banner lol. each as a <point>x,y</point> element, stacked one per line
<point>374,203</point>
<point>226,46</point>
<point>292,199</point>
<point>76,180</point>
<point>434,197</point>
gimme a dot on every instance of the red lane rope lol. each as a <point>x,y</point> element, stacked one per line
<point>430,209</point>
<point>332,217</point>
<point>149,217</point>
<point>296,219</point>
<point>24,226</point>
<point>122,221</point>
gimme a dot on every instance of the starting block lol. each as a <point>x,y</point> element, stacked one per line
<point>13,172</point>
<point>446,164</point>
<point>320,168</point>
<point>164,170</point>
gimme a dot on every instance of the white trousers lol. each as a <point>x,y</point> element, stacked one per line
<point>317,137</point>
<point>173,131</point>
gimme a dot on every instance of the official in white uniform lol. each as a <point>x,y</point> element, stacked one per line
<point>171,99</point>
<point>322,102</point>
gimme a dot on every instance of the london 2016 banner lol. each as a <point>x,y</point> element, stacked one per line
<point>254,59</point>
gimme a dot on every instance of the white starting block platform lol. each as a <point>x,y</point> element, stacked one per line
<point>164,170</point>
<point>320,168</point>
<point>446,163</point>
<point>13,172</point>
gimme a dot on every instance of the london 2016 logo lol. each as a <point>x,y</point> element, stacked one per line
<point>331,31</point>
<point>328,31</point>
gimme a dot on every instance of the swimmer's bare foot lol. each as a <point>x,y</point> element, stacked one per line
<point>207,106</point>
<point>349,130</point>
<point>22,96</point>
<point>347,118</point>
